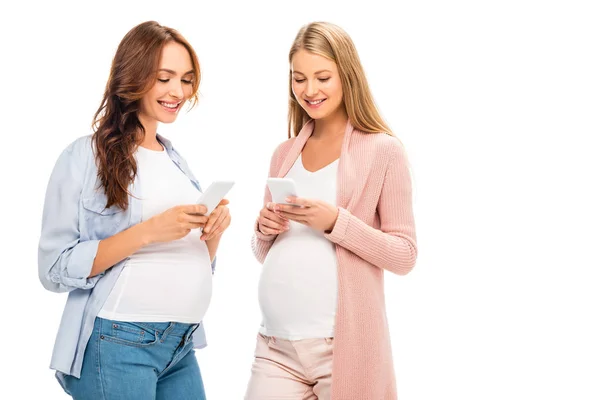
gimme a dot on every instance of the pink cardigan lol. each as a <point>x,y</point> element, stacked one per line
<point>374,232</point>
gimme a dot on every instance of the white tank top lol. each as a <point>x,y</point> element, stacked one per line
<point>298,283</point>
<point>163,282</point>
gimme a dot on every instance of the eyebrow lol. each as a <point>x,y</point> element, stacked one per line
<point>318,72</point>
<point>170,71</point>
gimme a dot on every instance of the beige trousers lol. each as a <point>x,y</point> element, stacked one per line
<point>291,370</point>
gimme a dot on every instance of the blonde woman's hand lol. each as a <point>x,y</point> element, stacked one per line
<point>270,223</point>
<point>218,221</point>
<point>317,214</point>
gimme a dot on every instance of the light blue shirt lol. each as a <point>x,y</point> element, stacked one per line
<point>73,223</point>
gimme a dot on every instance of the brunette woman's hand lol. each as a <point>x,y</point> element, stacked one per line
<point>174,223</point>
<point>218,221</point>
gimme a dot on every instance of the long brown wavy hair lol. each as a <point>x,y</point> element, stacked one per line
<point>332,42</point>
<point>117,128</point>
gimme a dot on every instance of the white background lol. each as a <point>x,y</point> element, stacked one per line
<point>497,104</point>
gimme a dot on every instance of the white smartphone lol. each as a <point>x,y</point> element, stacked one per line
<point>281,188</point>
<point>214,194</point>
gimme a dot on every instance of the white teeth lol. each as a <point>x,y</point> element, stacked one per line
<point>169,105</point>
<point>316,101</point>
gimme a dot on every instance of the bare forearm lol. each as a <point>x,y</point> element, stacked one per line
<point>213,245</point>
<point>117,247</point>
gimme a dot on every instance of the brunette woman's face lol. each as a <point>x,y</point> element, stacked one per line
<point>316,84</point>
<point>173,86</point>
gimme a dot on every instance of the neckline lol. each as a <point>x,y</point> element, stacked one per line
<point>150,151</point>
<point>320,169</point>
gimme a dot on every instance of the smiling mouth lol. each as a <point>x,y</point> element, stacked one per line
<point>314,103</point>
<point>171,107</point>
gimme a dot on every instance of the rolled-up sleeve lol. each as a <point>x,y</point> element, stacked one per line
<point>64,261</point>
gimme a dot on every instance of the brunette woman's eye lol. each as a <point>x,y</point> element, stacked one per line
<point>187,81</point>
<point>163,80</point>
<point>299,80</point>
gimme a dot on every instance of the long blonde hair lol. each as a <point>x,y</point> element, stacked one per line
<point>332,42</point>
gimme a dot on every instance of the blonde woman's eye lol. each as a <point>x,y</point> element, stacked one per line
<point>187,81</point>
<point>323,79</point>
<point>299,80</point>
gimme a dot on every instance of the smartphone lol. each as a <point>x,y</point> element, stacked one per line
<point>281,188</point>
<point>213,195</point>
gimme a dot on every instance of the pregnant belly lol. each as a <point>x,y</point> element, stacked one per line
<point>298,283</point>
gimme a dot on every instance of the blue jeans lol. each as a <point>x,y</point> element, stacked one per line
<point>138,360</point>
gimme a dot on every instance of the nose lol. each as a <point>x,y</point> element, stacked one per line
<point>311,88</point>
<point>176,89</point>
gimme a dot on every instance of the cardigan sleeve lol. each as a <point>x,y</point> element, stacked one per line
<point>393,246</point>
<point>261,243</point>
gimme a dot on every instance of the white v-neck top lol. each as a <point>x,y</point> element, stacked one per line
<point>298,283</point>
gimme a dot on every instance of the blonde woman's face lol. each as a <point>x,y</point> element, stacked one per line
<point>316,84</point>
<point>172,87</point>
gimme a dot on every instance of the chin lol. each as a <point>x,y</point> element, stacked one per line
<point>316,115</point>
<point>168,119</point>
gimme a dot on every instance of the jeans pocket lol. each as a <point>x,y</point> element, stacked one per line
<point>130,334</point>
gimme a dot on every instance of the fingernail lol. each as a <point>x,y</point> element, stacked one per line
<point>288,199</point>
<point>207,229</point>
